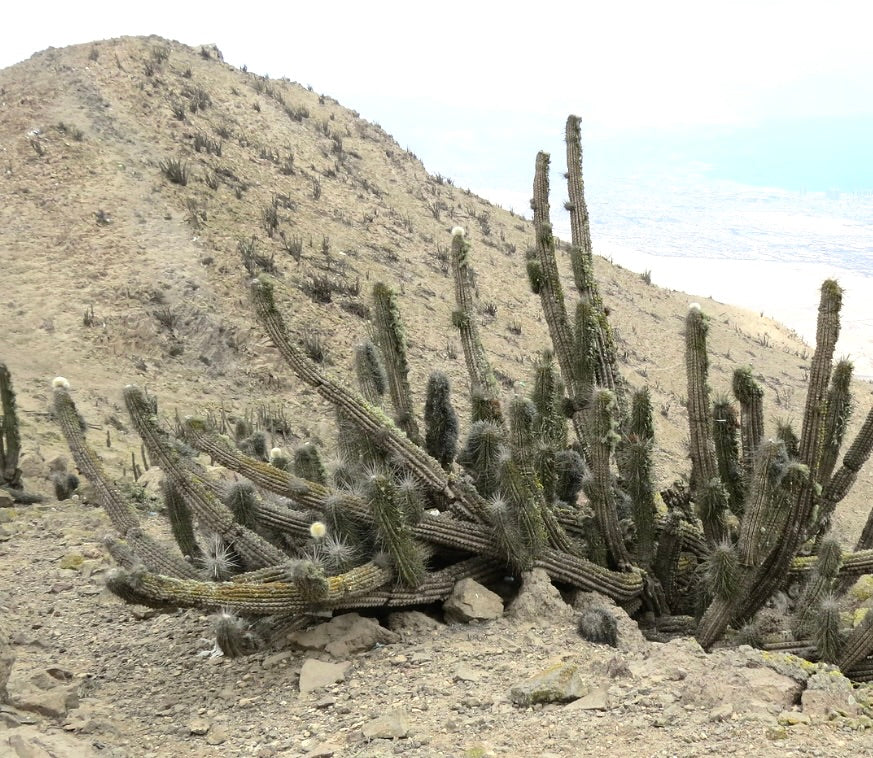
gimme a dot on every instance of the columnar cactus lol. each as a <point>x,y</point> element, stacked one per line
<point>10,436</point>
<point>397,519</point>
<point>392,342</point>
<point>709,490</point>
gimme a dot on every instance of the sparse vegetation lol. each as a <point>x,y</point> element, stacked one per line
<point>175,170</point>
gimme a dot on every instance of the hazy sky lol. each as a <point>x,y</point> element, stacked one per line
<point>461,82</point>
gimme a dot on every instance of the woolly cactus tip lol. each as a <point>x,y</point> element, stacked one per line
<point>694,307</point>
<point>317,530</point>
<point>276,452</point>
<point>458,231</point>
<point>60,382</point>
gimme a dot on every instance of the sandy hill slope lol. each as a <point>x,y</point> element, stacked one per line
<point>114,274</point>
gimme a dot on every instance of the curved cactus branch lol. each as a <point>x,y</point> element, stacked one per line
<point>196,492</point>
<point>369,420</point>
<point>256,599</point>
<point>155,556</point>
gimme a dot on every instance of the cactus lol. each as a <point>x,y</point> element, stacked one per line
<point>483,384</point>
<point>710,495</point>
<point>599,626</point>
<point>370,370</point>
<point>440,420</point>
<point>10,436</point>
<point>725,426</point>
<point>391,339</point>
<point>749,394</point>
<point>395,519</point>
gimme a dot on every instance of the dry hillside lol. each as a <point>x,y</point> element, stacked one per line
<point>112,273</point>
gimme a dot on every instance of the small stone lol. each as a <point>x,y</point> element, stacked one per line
<point>271,661</point>
<point>467,673</point>
<point>558,684</point>
<point>596,700</point>
<point>470,601</point>
<point>776,733</point>
<point>7,512</point>
<point>412,623</point>
<point>52,703</point>
<point>316,674</point>
<point>344,635</point>
<point>721,712</point>
<point>391,726</point>
<point>792,718</point>
<point>216,735</point>
<point>198,726</point>
<point>324,750</point>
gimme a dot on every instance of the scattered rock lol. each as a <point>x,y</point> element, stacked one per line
<point>828,694</point>
<point>596,700</point>
<point>217,735</point>
<point>72,561</point>
<point>324,750</point>
<point>388,727</point>
<point>721,712</point>
<point>559,684</point>
<point>271,661</point>
<point>467,673</point>
<point>33,466</point>
<point>53,703</point>
<point>344,635</point>
<point>538,601</point>
<point>6,501</point>
<point>198,726</point>
<point>748,690</point>
<point>7,510</point>
<point>793,718</point>
<point>7,656</point>
<point>58,464</point>
<point>470,601</point>
<point>29,742</point>
<point>316,674</point>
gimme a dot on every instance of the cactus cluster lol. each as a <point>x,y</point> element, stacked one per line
<point>561,479</point>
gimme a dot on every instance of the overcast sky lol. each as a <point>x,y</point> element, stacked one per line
<point>624,64</point>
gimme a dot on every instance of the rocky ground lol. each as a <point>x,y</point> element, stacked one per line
<point>95,677</point>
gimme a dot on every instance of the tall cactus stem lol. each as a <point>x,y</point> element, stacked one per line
<point>704,469</point>
<point>749,394</point>
<point>391,338</point>
<point>10,436</point>
<point>482,380</point>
